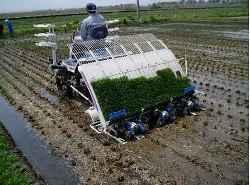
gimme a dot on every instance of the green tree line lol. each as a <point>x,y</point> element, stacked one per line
<point>164,4</point>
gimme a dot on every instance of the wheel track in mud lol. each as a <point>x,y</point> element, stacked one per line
<point>198,160</point>
<point>199,65</point>
<point>212,45</point>
<point>32,59</point>
<point>11,73</point>
<point>28,76</point>
<point>221,82</point>
<point>219,51</point>
<point>36,66</point>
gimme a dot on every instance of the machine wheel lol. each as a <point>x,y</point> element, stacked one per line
<point>63,88</point>
<point>185,111</point>
<point>202,108</point>
<point>146,126</point>
<point>127,134</point>
<point>158,123</point>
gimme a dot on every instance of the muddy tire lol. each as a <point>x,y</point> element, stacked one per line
<point>63,88</point>
<point>185,111</point>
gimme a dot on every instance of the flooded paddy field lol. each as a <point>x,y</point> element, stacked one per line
<point>212,148</point>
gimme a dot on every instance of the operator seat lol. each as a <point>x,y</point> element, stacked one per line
<point>99,32</point>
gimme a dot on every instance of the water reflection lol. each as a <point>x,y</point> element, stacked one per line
<point>52,169</point>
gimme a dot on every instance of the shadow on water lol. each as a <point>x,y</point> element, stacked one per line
<point>52,169</point>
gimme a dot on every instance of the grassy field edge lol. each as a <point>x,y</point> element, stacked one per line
<point>14,168</point>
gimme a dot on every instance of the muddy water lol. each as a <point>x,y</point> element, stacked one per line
<point>46,95</point>
<point>38,153</point>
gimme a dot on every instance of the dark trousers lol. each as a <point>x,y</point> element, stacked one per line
<point>1,34</point>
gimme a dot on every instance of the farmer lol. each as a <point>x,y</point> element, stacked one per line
<point>93,27</point>
<point>1,31</point>
<point>9,27</point>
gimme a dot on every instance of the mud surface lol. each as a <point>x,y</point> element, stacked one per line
<point>211,148</point>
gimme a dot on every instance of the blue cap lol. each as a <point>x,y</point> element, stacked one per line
<point>91,7</point>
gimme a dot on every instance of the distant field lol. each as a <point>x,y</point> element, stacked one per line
<point>24,26</point>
